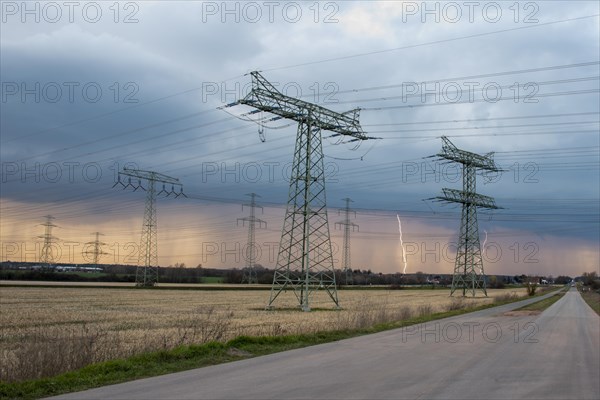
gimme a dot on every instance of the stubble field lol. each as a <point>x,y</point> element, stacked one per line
<point>46,330</point>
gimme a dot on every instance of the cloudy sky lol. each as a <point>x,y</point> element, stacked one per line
<point>91,87</point>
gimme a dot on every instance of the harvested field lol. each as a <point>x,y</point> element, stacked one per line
<point>46,330</point>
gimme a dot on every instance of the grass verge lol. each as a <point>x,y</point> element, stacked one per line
<point>543,304</point>
<point>592,298</point>
<point>195,356</point>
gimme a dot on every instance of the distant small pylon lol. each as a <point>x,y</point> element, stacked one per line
<point>147,271</point>
<point>346,262</point>
<point>249,275</point>
<point>96,251</point>
<point>46,254</point>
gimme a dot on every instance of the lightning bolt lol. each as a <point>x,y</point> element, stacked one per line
<point>484,242</point>
<point>402,244</point>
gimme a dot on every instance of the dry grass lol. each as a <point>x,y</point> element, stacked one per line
<point>45,331</point>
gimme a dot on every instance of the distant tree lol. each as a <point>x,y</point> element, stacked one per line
<point>562,280</point>
<point>409,279</point>
<point>531,284</point>
<point>265,276</point>
<point>233,276</point>
<point>359,279</point>
<point>495,282</point>
<point>396,279</point>
<point>591,279</point>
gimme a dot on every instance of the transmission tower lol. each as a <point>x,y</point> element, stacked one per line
<point>468,266</point>
<point>46,254</point>
<point>249,275</point>
<point>305,260</point>
<point>347,267</point>
<point>146,273</point>
<point>96,251</point>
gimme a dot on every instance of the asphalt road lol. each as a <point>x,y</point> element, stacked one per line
<point>483,355</point>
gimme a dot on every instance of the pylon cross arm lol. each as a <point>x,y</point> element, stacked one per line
<point>452,153</point>
<point>266,98</point>
<point>476,199</point>
<point>150,175</point>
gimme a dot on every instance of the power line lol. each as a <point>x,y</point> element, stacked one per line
<point>478,76</point>
<point>488,119</point>
<point>457,94</point>
<point>537,95</point>
<point>429,43</point>
<point>460,128</point>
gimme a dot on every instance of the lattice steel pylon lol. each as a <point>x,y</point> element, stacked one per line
<point>46,254</point>
<point>249,273</point>
<point>304,260</point>
<point>468,267</point>
<point>96,251</point>
<point>146,274</point>
<point>346,262</point>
